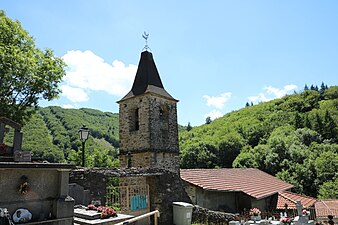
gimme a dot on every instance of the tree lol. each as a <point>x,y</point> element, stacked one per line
<point>189,127</point>
<point>322,88</point>
<point>28,74</point>
<point>329,190</point>
<point>307,122</point>
<point>329,128</point>
<point>229,148</point>
<point>306,88</point>
<point>199,155</point>
<point>318,124</point>
<point>208,120</point>
<point>298,121</point>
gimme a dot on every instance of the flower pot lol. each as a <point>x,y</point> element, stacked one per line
<point>256,218</point>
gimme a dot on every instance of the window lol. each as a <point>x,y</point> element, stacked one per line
<point>134,119</point>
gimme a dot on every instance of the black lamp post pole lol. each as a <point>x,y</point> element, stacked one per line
<point>83,153</point>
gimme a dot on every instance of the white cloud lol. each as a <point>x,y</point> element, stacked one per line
<point>90,72</point>
<point>74,94</point>
<point>272,93</point>
<point>214,114</point>
<point>218,101</point>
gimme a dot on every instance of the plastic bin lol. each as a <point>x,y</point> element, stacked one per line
<point>182,213</point>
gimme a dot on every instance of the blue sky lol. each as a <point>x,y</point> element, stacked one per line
<point>214,56</point>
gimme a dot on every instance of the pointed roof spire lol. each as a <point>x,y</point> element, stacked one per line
<point>147,78</point>
<point>146,74</point>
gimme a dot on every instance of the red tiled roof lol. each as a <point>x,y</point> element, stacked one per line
<point>292,198</point>
<point>251,181</point>
<point>326,207</point>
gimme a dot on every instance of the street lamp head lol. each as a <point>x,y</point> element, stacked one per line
<point>84,132</point>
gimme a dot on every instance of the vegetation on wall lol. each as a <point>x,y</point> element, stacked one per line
<point>293,138</point>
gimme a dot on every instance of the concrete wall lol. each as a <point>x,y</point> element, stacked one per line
<point>233,202</point>
<point>46,198</point>
<point>266,204</point>
<point>221,201</point>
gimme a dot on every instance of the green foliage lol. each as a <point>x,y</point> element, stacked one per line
<point>293,138</point>
<point>329,190</point>
<point>199,156</point>
<point>52,135</point>
<point>189,127</point>
<point>27,73</point>
<point>208,120</point>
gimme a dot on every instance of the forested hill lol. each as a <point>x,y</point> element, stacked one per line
<point>294,138</point>
<point>52,134</point>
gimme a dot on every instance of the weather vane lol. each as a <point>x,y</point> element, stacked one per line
<point>145,36</point>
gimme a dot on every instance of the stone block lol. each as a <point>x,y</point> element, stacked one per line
<point>22,156</point>
<point>64,207</point>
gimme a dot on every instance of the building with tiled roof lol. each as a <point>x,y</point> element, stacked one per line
<point>324,208</point>
<point>290,199</point>
<point>233,189</point>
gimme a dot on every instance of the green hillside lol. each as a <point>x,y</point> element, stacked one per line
<point>52,134</point>
<point>294,138</point>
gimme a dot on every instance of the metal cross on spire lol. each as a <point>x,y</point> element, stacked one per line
<point>145,36</point>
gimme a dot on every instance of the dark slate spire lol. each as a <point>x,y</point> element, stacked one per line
<point>146,74</point>
<point>147,79</point>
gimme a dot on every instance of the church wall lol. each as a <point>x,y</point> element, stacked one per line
<point>131,138</point>
<point>149,133</point>
<point>159,160</point>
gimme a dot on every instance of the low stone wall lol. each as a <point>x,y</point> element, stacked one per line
<point>165,190</point>
<point>206,216</point>
<point>164,187</point>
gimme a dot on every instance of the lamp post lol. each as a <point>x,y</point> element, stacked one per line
<point>84,132</point>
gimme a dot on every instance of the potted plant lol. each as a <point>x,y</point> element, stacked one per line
<point>255,214</point>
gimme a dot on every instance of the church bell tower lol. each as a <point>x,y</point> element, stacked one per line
<point>148,121</point>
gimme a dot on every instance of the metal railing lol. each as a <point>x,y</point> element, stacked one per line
<point>156,214</point>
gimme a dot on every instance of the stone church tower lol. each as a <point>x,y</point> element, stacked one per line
<point>148,122</point>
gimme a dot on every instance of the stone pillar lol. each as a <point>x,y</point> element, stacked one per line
<point>64,205</point>
<point>17,140</point>
<point>63,183</point>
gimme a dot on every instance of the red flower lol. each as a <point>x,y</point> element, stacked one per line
<point>100,208</point>
<point>285,220</point>
<point>108,212</point>
<point>92,207</point>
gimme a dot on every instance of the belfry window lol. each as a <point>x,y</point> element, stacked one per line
<point>134,119</point>
<point>137,119</point>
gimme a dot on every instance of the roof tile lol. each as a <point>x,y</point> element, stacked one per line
<point>251,181</point>
<point>326,207</point>
<point>292,198</point>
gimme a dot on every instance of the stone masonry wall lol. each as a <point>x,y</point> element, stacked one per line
<point>131,139</point>
<point>149,133</point>
<point>166,189</point>
<point>94,182</point>
<point>157,128</point>
<point>161,160</point>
